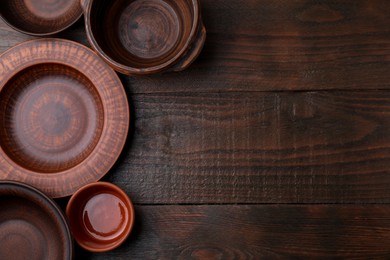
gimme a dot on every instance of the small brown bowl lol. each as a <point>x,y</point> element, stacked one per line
<point>40,17</point>
<point>100,216</point>
<point>138,37</point>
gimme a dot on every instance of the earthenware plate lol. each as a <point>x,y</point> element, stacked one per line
<point>31,225</point>
<point>64,116</point>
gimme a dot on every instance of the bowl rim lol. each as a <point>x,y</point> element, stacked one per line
<point>127,70</point>
<point>32,192</point>
<point>72,22</point>
<point>112,101</point>
<point>122,196</point>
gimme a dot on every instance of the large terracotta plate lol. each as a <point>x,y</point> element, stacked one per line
<point>31,225</point>
<point>64,116</point>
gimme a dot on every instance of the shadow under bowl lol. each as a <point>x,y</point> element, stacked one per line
<point>101,216</point>
<point>40,17</point>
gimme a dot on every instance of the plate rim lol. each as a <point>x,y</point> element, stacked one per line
<point>113,98</point>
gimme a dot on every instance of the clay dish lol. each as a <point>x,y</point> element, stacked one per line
<point>31,225</point>
<point>64,116</point>
<point>100,216</point>
<point>140,37</point>
<point>40,17</point>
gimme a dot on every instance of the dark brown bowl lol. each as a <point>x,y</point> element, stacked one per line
<point>64,116</point>
<point>31,225</point>
<point>40,17</point>
<point>139,37</point>
<point>101,216</point>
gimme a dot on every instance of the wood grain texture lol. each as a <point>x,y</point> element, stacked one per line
<point>9,37</point>
<point>301,147</point>
<point>201,136</point>
<point>256,232</point>
<point>258,45</point>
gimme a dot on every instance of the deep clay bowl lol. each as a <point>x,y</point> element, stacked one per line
<point>139,37</point>
<point>40,17</point>
<point>100,216</point>
<point>31,225</point>
<point>64,116</point>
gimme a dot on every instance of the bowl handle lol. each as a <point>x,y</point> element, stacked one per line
<point>193,52</point>
<point>84,4</point>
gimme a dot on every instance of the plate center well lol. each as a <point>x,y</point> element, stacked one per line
<point>52,118</point>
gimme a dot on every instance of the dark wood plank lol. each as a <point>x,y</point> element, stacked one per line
<point>260,45</point>
<point>305,147</point>
<point>10,37</point>
<point>256,232</point>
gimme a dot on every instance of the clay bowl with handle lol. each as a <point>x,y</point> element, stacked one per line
<point>64,116</point>
<point>40,17</point>
<point>141,37</point>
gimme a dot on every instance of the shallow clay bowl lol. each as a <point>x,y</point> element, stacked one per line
<point>64,116</point>
<point>31,225</point>
<point>138,37</point>
<point>101,216</point>
<point>40,17</point>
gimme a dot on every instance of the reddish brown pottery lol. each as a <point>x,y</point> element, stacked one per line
<point>31,225</point>
<point>139,37</point>
<point>101,216</point>
<point>40,17</point>
<point>64,116</point>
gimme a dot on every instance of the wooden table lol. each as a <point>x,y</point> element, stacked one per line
<point>274,143</point>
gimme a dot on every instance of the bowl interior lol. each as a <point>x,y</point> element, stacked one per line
<point>51,118</point>
<point>31,226</point>
<point>142,33</point>
<point>40,16</point>
<point>100,216</point>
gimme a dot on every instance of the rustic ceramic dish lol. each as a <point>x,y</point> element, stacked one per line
<point>64,116</point>
<point>139,37</point>
<point>101,216</point>
<point>40,17</point>
<point>31,225</point>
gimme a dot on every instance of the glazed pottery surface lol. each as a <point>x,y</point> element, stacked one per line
<point>101,216</point>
